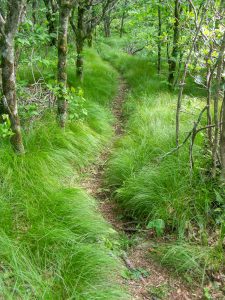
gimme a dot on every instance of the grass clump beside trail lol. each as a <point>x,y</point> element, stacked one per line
<point>151,190</point>
<point>53,242</point>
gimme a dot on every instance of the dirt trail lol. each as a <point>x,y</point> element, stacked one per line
<point>151,280</point>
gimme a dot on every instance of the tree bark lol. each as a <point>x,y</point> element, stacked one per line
<point>8,72</point>
<point>175,50</point>
<point>34,10</point>
<point>90,40</point>
<point>64,13</point>
<point>159,36</point>
<point>80,42</point>
<point>51,22</point>
<point>107,21</point>
<point>90,27</point>
<point>123,18</point>
<point>222,140</point>
<point>209,85</point>
<point>216,112</point>
<point>107,31</point>
<point>182,82</point>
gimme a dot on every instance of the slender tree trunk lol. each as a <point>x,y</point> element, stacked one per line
<point>167,47</point>
<point>175,50</point>
<point>209,84</point>
<point>107,31</point>
<point>80,43</point>
<point>62,61</point>
<point>90,40</point>
<point>123,18</point>
<point>107,23</point>
<point>89,31</point>
<point>222,140</point>
<point>182,82</point>
<point>8,72</point>
<point>159,36</point>
<point>34,10</point>
<point>179,68</point>
<point>51,22</point>
<point>216,110</point>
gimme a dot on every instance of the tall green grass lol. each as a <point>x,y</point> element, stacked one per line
<point>53,242</point>
<point>147,187</point>
<point>190,260</point>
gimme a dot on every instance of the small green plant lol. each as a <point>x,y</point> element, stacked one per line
<point>28,111</point>
<point>207,295</point>
<point>77,110</point>
<point>127,242</point>
<point>32,34</point>
<point>160,292</point>
<point>5,127</point>
<point>158,225</point>
<point>135,274</point>
<point>75,99</point>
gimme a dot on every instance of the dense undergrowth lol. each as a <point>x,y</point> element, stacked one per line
<point>53,242</point>
<point>163,193</point>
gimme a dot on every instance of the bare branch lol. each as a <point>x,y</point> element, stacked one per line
<point>188,135</point>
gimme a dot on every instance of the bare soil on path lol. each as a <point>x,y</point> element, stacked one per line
<point>153,282</point>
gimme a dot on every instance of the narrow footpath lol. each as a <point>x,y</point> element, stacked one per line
<point>150,280</point>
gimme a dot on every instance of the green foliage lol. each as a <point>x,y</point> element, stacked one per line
<point>28,111</point>
<point>31,35</point>
<point>135,274</point>
<point>75,100</point>
<point>5,127</point>
<point>77,111</point>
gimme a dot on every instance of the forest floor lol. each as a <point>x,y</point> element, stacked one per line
<point>146,278</point>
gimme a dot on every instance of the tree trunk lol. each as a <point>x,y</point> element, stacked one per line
<point>89,28</point>
<point>90,40</point>
<point>34,10</point>
<point>8,72</point>
<point>216,112</point>
<point>209,84</point>
<point>182,82</point>
<point>222,140</point>
<point>123,18</point>
<point>159,36</point>
<point>51,22</point>
<point>80,61</point>
<point>62,61</point>
<point>80,42</point>
<point>107,30</point>
<point>175,50</point>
